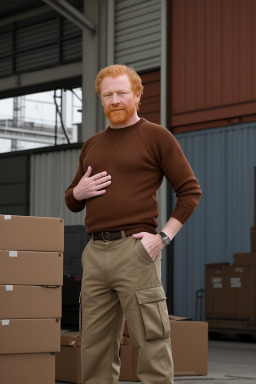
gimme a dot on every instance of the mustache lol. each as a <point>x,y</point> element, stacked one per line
<point>110,109</point>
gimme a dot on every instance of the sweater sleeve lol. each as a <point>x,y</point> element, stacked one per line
<point>179,173</point>
<point>73,204</point>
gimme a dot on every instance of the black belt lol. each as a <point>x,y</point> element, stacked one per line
<point>107,236</point>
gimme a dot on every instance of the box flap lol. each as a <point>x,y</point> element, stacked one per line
<point>178,318</point>
<point>70,339</point>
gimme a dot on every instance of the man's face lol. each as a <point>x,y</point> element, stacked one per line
<point>118,100</point>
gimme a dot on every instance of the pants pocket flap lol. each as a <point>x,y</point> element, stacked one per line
<point>150,295</point>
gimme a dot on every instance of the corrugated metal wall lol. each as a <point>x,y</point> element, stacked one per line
<point>50,175</point>
<point>223,160</point>
<point>213,46</point>
<point>150,101</point>
<point>42,42</point>
<point>138,33</point>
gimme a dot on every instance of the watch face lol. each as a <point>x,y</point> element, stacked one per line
<point>165,238</point>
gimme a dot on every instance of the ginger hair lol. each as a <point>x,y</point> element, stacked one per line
<point>118,70</point>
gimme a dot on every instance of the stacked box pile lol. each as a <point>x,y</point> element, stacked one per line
<point>31,277</point>
<point>230,290</point>
<point>68,360</point>
<point>189,347</point>
<point>189,341</point>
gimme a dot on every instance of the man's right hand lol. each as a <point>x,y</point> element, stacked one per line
<point>91,186</point>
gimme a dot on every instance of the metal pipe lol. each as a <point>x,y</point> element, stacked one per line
<point>72,14</point>
<point>60,116</point>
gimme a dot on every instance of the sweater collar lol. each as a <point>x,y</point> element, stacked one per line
<point>120,131</point>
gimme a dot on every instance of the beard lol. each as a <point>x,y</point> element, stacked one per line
<point>120,114</point>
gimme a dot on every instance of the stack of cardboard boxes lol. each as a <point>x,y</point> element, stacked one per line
<point>230,290</point>
<point>31,275</point>
<point>189,341</point>
<point>189,347</point>
<point>68,360</point>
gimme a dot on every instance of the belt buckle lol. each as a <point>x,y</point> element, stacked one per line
<point>103,236</point>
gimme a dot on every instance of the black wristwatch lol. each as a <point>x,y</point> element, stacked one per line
<point>166,239</point>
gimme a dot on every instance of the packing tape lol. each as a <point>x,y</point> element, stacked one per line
<point>7,217</point>
<point>13,254</point>
<point>9,287</point>
<point>5,322</point>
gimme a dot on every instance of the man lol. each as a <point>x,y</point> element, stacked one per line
<point>119,172</point>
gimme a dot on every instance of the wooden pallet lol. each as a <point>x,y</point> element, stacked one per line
<point>232,328</point>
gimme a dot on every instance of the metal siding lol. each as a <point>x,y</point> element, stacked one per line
<point>5,54</point>
<point>43,44</point>
<point>5,67</point>
<point>51,174</point>
<point>37,58</point>
<point>72,49</point>
<point>36,35</point>
<point>213,46</point>
<point>223,161</point>
<point>150,101</point>
<point>14,172</point>
<point>138,33</point>
<point>5,44</point>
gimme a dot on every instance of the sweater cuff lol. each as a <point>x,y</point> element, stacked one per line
<point>73,204</point>
<point>182,212</point>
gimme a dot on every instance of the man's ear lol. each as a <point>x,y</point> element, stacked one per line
<point>137,97</point>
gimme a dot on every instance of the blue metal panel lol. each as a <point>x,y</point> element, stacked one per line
<point>223,160</point>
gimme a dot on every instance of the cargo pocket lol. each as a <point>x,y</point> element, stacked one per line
<point>152,302</point>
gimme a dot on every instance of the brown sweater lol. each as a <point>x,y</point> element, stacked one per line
<point>136,157</point>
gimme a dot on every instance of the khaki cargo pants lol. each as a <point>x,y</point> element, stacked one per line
<point>121,280</point>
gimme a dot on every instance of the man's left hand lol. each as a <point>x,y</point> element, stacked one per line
<point>152,243</point>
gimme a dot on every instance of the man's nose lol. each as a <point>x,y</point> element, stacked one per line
<point>115,99</point>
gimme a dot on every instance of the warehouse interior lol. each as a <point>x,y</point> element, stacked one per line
<point>197,63</point>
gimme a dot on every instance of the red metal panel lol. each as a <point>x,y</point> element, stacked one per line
<point>150,102</point>
<point>213,63</point>
<point>245,59</point>
<point>212,57</point>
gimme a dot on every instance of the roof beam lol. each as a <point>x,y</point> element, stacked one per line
<point>72,14</point>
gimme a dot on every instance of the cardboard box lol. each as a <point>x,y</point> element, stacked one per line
<point>27,368</point>
<point>217,303</point>
<point>31,268</point>
<point>28,233</point>
<point>242,292</point>
<point>253,239</point>
<point>29,336</point>
<point>189,349</point>
<point>245,259</point>
<point>30,302</point>
<point>230,292</point>
<point>68,360</point>
<point>128,361</point>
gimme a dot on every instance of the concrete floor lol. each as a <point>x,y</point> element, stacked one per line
<point>228,362</point>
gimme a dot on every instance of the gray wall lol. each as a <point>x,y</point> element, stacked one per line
<point>50,175</point>
<point>223,160</point>
<point>138,33</point>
